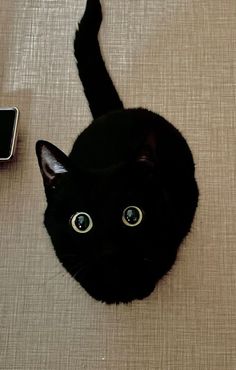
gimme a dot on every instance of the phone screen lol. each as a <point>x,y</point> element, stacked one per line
<point>8,126</point>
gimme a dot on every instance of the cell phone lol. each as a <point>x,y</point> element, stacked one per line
<point>8,132</point>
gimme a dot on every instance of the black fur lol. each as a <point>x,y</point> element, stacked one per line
<point>98,86</point>
<point>127,157</point>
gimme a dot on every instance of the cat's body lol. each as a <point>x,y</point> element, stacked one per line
<point>122,202</point>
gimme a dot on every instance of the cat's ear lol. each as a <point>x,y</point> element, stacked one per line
<point>52,162</point>
<point>146,155</point>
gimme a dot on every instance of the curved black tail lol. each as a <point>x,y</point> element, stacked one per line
<point>98,86</point>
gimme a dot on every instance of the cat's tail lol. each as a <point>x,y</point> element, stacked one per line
<point>98,86</point>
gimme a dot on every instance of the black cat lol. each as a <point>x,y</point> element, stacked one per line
<point>123,200</point>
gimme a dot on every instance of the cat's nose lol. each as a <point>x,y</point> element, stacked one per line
<point>110,252</point>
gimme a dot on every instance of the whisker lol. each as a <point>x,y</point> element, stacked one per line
<point>79,269</point>
<point>51,278</point>
<point>74,271</point>
<point>147,260</point>
<point>75,274</point>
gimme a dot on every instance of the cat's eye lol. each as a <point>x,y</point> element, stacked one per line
<point>132,216</point>
<point>81,222</point>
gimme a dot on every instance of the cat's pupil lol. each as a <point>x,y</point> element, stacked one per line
<point>82,222</point>
<point>132,216</point>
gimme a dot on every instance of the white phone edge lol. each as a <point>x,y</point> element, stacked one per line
<point>15,133</point>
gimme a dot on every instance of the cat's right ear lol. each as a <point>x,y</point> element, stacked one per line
<point>52,162</point>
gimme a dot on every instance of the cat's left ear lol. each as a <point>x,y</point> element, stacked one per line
<point>52,162</point>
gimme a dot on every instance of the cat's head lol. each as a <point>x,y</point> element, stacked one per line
<point>115,230</point>
<point>103,226</point>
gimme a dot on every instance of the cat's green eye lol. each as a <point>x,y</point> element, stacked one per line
<point>81,222</point>
<point>132,216</point>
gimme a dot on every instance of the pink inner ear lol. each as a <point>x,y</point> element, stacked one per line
<point>146,162</point>
<point>147,153</point>
<point>52,161</point>
<point>50,165</point>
